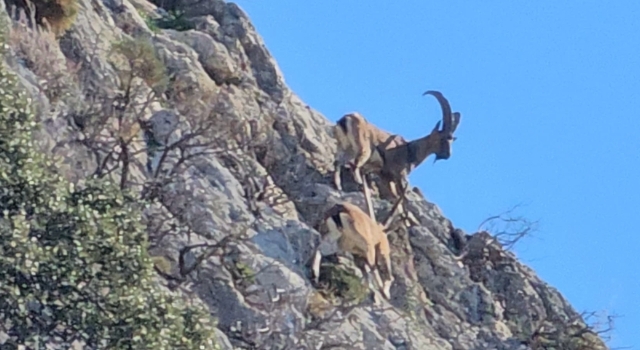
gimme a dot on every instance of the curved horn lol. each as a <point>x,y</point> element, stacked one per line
<point>447,119</point>
<point>456,120</point>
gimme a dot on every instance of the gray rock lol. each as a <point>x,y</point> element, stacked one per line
<point>213,56</point>
<point>245,212</point>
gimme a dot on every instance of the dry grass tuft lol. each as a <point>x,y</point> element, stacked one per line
<point>38,48</point>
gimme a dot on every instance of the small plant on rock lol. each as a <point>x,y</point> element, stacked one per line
<point>343,283</point>
<point>175,20</point>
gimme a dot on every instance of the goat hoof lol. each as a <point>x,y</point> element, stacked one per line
<point>387,294</point>
<point>378,299</point>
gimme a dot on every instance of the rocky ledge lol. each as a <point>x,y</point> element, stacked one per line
<point>181,101</point>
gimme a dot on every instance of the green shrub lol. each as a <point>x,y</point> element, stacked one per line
<point>176,20</point>
<point>141,62</point>
<point>73,260</point>
<point>341,282</point>
<point>150,21</point>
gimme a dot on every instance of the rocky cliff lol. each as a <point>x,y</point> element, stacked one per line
<point>182,102</point>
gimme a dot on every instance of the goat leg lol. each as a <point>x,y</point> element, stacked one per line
<point>367,197</point>
<point>374,280</point>
<point>406,215</point>
<point>315,267</point>
<point>386,285</point>
<point>357,175</point>
<point>399,190</point>
<point>337,175</point>
<point>381,285</point>
<point>386,289</point>
<point>392,213</point>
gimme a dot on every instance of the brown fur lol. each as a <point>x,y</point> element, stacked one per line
<point>358,142</point>
<point>366,148</point>
<point>355,232</point>
<point>370,150</point>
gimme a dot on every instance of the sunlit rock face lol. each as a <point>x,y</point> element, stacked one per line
<point>240,172</point>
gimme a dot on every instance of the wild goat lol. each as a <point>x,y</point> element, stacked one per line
<point>368,149</point>
<point>346,228</point>
<point>358,142</point>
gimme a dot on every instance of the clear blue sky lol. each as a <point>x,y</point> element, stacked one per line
<point>549,93</point>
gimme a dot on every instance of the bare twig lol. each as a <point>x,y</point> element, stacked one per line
<point>507,228</point>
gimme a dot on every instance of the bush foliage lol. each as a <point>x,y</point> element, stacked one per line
<point>73,260</point>
<point>141,62</point>
<point>341,282</point>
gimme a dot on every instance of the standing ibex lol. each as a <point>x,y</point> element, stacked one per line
<point>346,228</point>
<point>367,149</point>
<point>357,145</point>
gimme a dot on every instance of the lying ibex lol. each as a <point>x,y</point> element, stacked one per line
<point>346,228</point>
<point>398,162</point>
<point>358,142</point>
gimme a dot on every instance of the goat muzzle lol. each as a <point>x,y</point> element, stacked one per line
<point>445,148</point>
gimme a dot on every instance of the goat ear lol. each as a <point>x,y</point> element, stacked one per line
<point>437,128</point>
